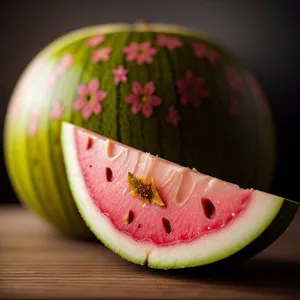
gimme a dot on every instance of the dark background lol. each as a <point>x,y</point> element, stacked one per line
<point>264,34</point>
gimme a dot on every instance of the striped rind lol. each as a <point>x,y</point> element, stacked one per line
<point>35,164</point>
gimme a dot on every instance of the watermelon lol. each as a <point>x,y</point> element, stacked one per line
<point>155,212</point>
<point>162,89</point>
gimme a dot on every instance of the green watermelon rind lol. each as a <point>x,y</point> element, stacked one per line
<point>170,257</point>
<point>52,200</point>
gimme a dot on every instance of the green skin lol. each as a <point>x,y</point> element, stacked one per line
<point>237,149</point>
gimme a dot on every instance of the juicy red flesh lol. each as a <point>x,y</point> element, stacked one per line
<point>195,204</point>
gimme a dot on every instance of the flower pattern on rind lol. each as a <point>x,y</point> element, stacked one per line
<point>57,110</point>
<point>143,99</point>
<point>202,50</point>
<point>140,52</point>
<point>95,40</point>
<point>173,116</point>
<point>192,90</point>
<point>169,41</point>
<point>90,98</point>
<point>120,75</point>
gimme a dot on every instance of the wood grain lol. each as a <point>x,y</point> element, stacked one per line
<point>36,262</point>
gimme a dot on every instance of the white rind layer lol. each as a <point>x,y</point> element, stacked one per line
<point>215,246</point>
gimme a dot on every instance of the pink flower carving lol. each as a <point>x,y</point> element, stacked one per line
<point>120,75</point>
<point>234,107</point>
<point>203,51</point>
<point>142,98</point>
<point>95,40</point>
<point>173,116</point>
<point>57,110</point>
<point>34,122</point>
<point>50,81</point>
<point>169,41</point>
<point>233,79</point>
<point>101,54</point>
<point>140,52</point>
<point>65,62</point>
<point>90,98</point>
<point>192,89</point>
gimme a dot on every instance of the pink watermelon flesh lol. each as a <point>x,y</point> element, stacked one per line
<point>181,190</point>
<point>203,219</point>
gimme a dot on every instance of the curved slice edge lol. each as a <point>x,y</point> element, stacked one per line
<point>261,211</point>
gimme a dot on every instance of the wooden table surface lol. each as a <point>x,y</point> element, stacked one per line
<point>37,263</point>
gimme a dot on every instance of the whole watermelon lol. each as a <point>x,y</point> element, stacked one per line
<point>163,89</point>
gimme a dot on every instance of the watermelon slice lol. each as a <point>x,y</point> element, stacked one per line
<point>155,212</point>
